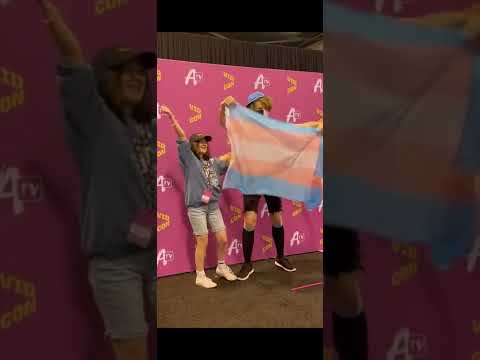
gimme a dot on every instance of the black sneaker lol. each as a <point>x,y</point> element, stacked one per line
<point>245,271</point>
<point>284,264</point>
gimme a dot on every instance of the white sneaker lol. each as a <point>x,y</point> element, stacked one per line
<point>225,271</point>
<point>205,282</point>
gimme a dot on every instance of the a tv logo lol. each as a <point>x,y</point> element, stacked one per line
<point>261,81</point>
<point>293,115</point>
<point>297,238</point>
<point>164,183</point>
<point>234,246</point>
<point>318,87</point>
<point>194,76</point>
<point>407,346</point>
<point>164,257</point>
<point>20,189</point>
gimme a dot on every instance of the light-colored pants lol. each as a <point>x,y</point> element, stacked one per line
<point>204,216</point>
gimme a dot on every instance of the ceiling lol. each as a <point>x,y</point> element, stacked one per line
<point>305,40</point>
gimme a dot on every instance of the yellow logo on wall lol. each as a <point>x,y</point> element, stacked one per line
<point>320,114</point>
<point>230,81</point>
<point>163,221</point>
<point>198,114</point>
<point>268,243</point>
<point>408,271</point>
<point>19,312</point>
<point>103,6</point>
<point>161,149</point>
<point>293,85</point>
<point>321,237</point>
<point>159,75</point>
<point>16,97</point>
<point>237,214</point>
<point>297,208</point>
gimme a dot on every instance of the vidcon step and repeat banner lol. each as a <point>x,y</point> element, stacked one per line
<point>193,91</point>
<point>414,310</point>
<point>46,305</point>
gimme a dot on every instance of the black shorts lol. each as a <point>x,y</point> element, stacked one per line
<point>250,203</point>
<point>341,251</point>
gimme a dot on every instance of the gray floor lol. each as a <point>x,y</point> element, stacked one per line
<point>264,300</point>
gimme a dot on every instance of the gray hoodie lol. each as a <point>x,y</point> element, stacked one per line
<point>111,185</point>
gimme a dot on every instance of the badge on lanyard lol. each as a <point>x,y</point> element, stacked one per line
<point>206,196</point>
<point>141,228</point>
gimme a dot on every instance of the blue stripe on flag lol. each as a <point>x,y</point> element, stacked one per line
<point>449,228</point>
<point>271,186</point>
<point>378,28</point>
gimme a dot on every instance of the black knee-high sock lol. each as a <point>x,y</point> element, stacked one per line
<point>248,238</point>
<point>278,234</point>
<point>350,337</point>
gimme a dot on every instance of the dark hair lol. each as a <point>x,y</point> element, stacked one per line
<point>206,156</point>
<point>143,112</point>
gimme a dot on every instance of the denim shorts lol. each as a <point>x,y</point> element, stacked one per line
<point>125,293</point>
<point>206,216</point>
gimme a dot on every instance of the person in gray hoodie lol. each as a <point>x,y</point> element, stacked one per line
<point>109,122</point>
<point>202,191</point>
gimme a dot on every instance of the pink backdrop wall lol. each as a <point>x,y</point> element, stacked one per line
<point>194,91</point>
<point>414,310</point>
<point>46,305</point>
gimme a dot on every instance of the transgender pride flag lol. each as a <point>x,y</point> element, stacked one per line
<point>403,135</point>
<point>273,158</point>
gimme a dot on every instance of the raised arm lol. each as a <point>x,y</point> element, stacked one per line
<point>66,42</point>
<point>176,126</point>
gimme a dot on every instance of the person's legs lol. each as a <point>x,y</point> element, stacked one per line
<point>118,292</point>
<point>198,220</point>
<point>274,204</point>
<point>215,219</point>
<point>223,270</point>
<point>201,242</point>
<point>342,288</point>
<point>250,206</point>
